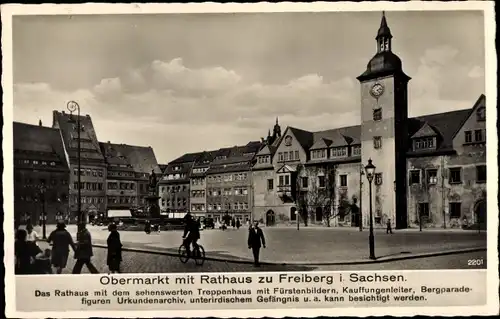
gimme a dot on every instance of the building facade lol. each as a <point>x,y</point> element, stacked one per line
<point>121,182</point>
<point>92,164</point>
<point>198,180</point>
<point>175,186</point>
<point>229,188</point>
<point>41,174</point>
<point>430,170</point>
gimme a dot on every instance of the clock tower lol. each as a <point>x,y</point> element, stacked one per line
<point>384,136</point>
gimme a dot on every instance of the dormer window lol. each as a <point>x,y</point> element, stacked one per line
<point>339,152</point>
<point>356,150</point>
<point>481,114</point>
<point>424,143</point>
<point>263,159</point>
<point>318,154</point>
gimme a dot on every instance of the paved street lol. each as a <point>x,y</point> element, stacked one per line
<point>151,263</point>
<point>308,245</point>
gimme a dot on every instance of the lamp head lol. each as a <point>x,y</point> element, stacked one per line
<point>370,170</point>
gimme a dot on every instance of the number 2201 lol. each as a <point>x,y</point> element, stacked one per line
<point>475,262</point>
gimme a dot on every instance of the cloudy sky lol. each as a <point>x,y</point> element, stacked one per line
<point>188,82</point>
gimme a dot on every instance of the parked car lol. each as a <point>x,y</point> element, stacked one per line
<point>208,223</point>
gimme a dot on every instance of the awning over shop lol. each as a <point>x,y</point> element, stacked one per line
<point>114,213</point>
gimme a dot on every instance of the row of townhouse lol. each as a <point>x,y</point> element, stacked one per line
<point>211,183</point>
<point>112,176</point>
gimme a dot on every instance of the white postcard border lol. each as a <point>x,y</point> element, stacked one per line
<point>492,185</point>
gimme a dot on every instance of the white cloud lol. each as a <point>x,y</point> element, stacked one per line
<point>476,72</point>
<point>177,109</point>
<point>442,83</point>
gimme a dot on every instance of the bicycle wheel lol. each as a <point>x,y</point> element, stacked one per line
<point>199,255</point>
<point>183,254</point>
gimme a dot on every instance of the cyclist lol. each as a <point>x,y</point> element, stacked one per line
<point>192,230</point>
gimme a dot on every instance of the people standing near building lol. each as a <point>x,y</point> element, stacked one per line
<point>238,223</point>
<point>256,241</point>
<point>61,241</point>
<point>114,257</point>
<point>83,252</point>
<point>22,252</point>
<point>31,240</point>
<point>233,222</point>
<point>389,227</point>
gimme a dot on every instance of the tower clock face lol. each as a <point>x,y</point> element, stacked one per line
<point>377,90</point>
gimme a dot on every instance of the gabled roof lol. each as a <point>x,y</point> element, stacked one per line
<point>34,138</point>
<point>205,159</point>
<point>253,147</point>
<point>227,166</point>
<point>267,150</point>
<point>114,154</point>
<point>445,124</point>
<point>67,124</point>
<point>322,143</point>
<point>341,136</point>
<point>305,138</point>
<point>142,159</point>
<point>286,169</point>
<point>425,131</point>
<point>188,157</point>
<point>163,167</point>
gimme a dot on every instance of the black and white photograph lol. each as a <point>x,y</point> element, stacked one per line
<point>338,137</point>
<point>234,142</point>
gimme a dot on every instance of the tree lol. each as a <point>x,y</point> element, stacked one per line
<point>331,192</point>
<point>315,197</point>
<point>300,196</point>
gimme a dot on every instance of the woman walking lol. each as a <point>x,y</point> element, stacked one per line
<point>24,258</point>
<point>114,249</point>
<point>31,240</point>
<point>61,240</point>
<point>83,252</point>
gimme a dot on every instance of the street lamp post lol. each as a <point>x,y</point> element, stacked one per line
<point>44,216</point>
<point>72,107</point>
<point>370,172</point>
<point>360,218</point>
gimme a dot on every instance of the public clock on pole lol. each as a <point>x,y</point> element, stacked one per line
<point>377,90</point>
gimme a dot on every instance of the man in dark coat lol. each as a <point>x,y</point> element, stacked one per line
<point>192,231</point>
<point>256,241</point>
<point>83,252</point>
<point>114,257</point>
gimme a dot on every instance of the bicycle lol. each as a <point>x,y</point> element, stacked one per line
<point>197,253</point>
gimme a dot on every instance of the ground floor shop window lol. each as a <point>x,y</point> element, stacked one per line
<point>455,210</point>
<point>423,210</point>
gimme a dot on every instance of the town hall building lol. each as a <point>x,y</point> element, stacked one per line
<point>430,170</point>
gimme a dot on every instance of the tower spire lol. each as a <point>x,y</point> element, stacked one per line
<point>276,120</point>
<point>384,36</point>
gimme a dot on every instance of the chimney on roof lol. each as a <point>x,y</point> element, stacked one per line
<point>63,112</point>
<point>40,122</point>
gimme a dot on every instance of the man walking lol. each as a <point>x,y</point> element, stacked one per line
<point>83,252</point>
<point>255,238</point>
<point>389,227</point>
